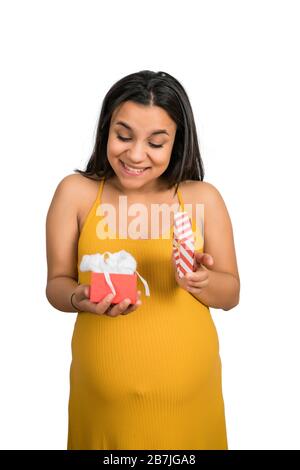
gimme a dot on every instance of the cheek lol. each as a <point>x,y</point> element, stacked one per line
<point>114,147</point>
<point>160,156</point>
<point>164,159</point>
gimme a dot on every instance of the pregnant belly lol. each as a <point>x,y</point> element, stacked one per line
<point>140,354</point>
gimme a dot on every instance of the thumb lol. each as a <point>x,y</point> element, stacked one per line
<point>87,291</point>
<point>204,258</point>
<point>83,292</point>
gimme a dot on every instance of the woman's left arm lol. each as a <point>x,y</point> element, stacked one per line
<point>216,281</point>
<point>222,290</point>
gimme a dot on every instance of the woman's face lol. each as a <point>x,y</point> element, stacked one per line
<point>140,143</point>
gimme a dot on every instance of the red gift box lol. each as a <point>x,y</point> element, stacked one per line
<point>125,286</point>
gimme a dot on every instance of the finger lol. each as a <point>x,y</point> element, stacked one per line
<point>193,290</point>
<point>119,308</point>
<point>129,306</point>
<point>101,307</point>
<point>86,291</point>
<point>179,280</point>
<point>204,258</point>
<point>82,299</point>
<point>115,310</point>
<point>194,284</point>
<point>196,277</point>
<point>82,292</point>
<point>132,307</point>
<point>138,298</point>
<point>196,288</point>
<point>201,277</point>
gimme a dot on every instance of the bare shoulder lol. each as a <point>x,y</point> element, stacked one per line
<point>82,192</point>
<point>76,189</point>
<point>205,193</point>
<point>202,188</point>
<point>65,200</point>
<point>72,194</point>
<point>200,191</point>
<point>74,184</point>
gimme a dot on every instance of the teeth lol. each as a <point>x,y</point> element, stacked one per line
<point>134,170</point>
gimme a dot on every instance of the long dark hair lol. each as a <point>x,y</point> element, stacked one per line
<point>159,89</point>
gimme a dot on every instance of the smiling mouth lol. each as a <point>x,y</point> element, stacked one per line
<point>132,170</point>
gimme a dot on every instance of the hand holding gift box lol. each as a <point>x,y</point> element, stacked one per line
<point>183,244</point>
<point>113,273</point>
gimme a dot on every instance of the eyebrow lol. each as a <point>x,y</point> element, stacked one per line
<point>159,131</point>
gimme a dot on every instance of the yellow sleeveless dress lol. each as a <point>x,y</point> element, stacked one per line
<point>150,379</point>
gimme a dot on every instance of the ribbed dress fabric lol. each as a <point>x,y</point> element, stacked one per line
<point>151,379</point>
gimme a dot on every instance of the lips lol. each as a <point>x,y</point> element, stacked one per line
<point>129,167</point>
<point>131,170</point>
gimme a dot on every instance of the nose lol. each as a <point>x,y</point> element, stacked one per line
<point>137,154</point>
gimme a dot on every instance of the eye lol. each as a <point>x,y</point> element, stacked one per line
<point>126,139</point>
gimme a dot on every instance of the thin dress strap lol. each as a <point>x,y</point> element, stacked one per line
<point>180,199</point>
<point>100,190</point>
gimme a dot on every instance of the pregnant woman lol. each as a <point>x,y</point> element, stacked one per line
<point>145,375</point>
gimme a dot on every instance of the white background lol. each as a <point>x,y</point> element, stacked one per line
<point>239,63</point>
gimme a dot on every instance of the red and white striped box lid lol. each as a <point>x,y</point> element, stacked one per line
<point>183,243</point>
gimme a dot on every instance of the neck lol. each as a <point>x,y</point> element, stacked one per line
<point>153,187</point>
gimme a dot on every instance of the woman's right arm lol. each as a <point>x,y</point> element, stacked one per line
<point>61,244</point>
<point>62,234</point>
